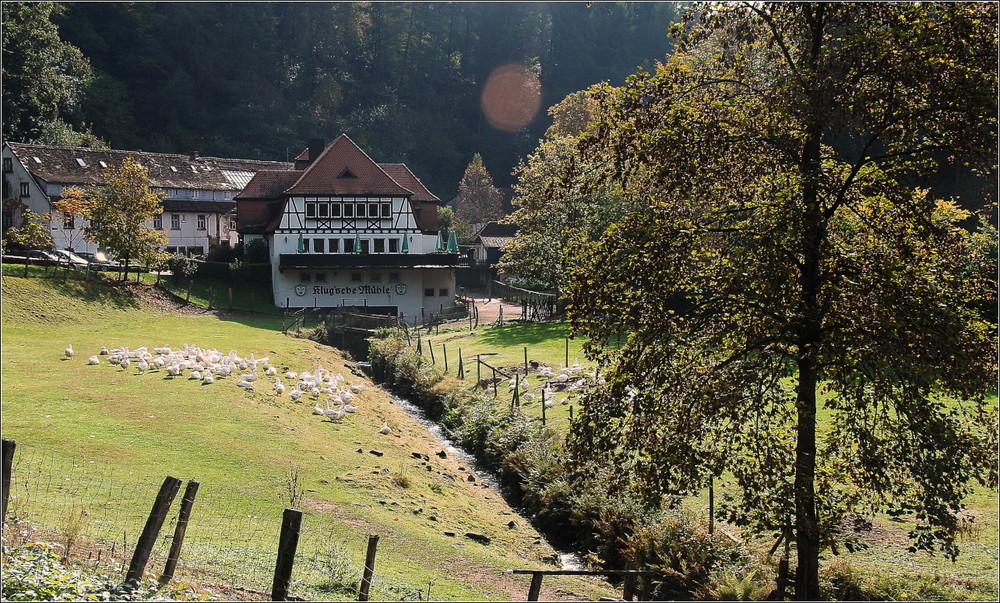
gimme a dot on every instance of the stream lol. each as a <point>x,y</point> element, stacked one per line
<point>567,561</point>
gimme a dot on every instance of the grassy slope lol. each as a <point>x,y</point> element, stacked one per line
<point>975,571</point>
<point>223,435</point>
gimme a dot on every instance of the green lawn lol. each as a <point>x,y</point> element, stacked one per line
<point>83,431</point>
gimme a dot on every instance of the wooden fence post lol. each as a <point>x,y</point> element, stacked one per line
<point>157,515</point>
<point>525,362</point>
<point>8,461</point>
<point>444,346</point>
<point>479,371</point>
<point>543,403</point>
<point>288,541</point>
<point>430,346</point>
<point>366,577</point>
<point>211,297</point>
<point>461,365</point>
<point>566,363</point>
<point>187,501</point>
<point>187,299</point>
<point>536,586</point>
<point>495,392</point>
<point>230,298</point>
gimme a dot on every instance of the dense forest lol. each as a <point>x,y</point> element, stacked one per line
<point>404,80</point>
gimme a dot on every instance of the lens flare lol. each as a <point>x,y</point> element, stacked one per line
<point>511,97</point>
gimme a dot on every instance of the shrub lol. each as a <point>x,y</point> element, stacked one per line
<point>256,252</point>
<point>182,267</point>
<point>34,572</point>
<point>679,544</point>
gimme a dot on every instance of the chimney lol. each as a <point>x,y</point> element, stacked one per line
<point>316,146</point>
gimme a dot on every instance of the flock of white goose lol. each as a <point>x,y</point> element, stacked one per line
<point>339,395</point>
<point>571,379</point>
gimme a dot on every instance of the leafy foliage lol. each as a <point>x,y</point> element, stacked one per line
<point>34,572</point>
<point>552,211</point>
<point>403,79</point>
<point>119,211</point>
<point>43,76</point>
<point>772,274</point>
<point>33,231</point>
<point>73,204</point>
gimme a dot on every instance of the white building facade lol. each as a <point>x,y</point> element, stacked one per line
<point>344,231</point>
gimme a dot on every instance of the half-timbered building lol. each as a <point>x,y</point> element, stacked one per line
<point>343,230</point>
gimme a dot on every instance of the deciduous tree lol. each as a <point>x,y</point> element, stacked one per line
<point>74,205</point>
<point>776,262</point>
<point>553,212</point>
<point>120,212</point>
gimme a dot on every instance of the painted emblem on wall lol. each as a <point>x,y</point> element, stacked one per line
<point>300,290</point>
<point>400,288</point>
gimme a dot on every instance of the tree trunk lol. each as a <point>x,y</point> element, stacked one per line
<point>806,522</point>
<point>809,338</point>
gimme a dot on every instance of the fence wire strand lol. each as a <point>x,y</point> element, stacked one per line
<point>95,511</point>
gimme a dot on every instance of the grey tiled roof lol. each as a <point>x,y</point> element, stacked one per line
<point>75,165</point>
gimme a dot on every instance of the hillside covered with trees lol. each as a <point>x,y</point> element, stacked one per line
<point>256,80</point>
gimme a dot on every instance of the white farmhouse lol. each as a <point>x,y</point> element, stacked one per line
<point>197,192</point>
<point>343,230</point>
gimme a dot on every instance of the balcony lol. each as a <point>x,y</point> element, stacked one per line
<point>371,260</point>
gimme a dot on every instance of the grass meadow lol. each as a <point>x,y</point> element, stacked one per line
<point>118,431</point>
<point>974,575</point>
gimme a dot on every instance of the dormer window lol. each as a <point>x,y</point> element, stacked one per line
<point>81,162</point>
<point>347,173</point>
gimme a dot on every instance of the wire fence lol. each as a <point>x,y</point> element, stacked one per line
<point>95,511</point>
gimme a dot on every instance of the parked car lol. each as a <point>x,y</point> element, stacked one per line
<point>99,261</point>
<point>40,257</point>
<point>65,256</point>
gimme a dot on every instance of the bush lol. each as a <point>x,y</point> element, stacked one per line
<point>34,572</point>
<point>182,267</point>
<point>256,252</point>
<point>678,543</point>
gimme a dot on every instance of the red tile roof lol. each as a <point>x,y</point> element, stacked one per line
<point>344,169</point>
<point>402,175</point>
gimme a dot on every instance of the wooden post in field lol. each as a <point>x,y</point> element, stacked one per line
<point>525,362</point>
<point>187,501</point>
<point>543,403</point>
<point>366,577</point>
<point>566,363</point>
<point>27,262</point>
<point>461,365</point>
<point>211,297</point>
<point>430,346</point>
<point>444,346</point>
<point>536,586</point>
<point>495,392</point>
<point>288,541</point>
<point>570,412</point>
<point>157,515</point>
<point>420,345</point>
<point>230,298</point>
<point>8,460</point>
<point>479,371</point>
<point>187,299</point>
